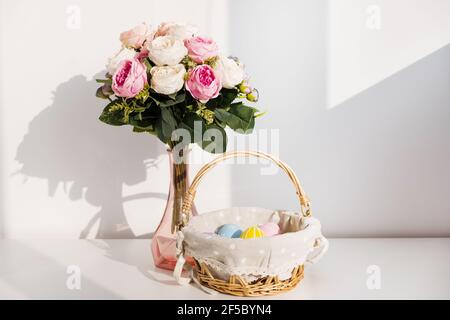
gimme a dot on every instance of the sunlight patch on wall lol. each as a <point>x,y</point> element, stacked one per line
<point>369,41</point>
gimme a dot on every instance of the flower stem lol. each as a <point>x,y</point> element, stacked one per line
<point>180,183</point>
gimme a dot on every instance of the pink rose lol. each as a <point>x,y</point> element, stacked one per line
<point>136,37</point>
<point>203,84</point>
<point>142,54</point>
<point>129,79</point>
<point>200,49</point>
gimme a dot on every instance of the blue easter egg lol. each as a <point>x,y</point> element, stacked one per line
<point>229,231</point>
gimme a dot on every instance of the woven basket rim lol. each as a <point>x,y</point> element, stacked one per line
<point>237,286</point>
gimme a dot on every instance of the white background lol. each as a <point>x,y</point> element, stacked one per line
<point>362,115</point>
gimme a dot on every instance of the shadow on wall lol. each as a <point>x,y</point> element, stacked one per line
<point>389,151</point>
<point>2,192</point>
<point>2,178</point>
<point>375,165</point>
<point>67,144</point>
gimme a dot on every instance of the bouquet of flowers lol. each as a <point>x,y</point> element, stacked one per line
<point>174,84</point>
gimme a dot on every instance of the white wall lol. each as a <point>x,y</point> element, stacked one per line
<point>67,174</point>
<point>369,41</point>
<point>377,163</point>
<point>374,165</point>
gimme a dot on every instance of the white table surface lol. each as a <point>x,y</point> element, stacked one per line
<point>123,269</point>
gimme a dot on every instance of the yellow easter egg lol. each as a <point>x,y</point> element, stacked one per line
<point>252,232</point>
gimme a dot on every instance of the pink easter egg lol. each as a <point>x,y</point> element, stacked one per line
<point>270,229</point>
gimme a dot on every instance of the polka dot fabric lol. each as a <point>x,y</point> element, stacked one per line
<point>255,254</point>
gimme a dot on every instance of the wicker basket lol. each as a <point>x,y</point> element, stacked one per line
<point>218,268</point>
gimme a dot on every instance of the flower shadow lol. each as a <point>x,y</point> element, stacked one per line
<point>67,144</point>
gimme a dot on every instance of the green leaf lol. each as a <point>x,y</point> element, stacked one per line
<point>194,124</point>
<point>172,101</point>
<point>173,96</point>
<point>214,140</point>
<point>159,134</point>
<point>251,126</point>
<point>165,125</point>
<point>260,114</point>
<point>107,81</point>
<point>168,120</point>
<point>139,130</point>
<point>119,112</point>
<point>220,123</point>
<point>225,98</point>
<point>114,118</point>
<point>238,117</point>
<point>228,96</point>
<point>143,96</point>
<point>100,94</point>
<point>146,120</point>
<point>211,138</point>
<point>167,100</point>
<point>139,122</point>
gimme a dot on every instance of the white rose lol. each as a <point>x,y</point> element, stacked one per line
<point>230,72</point>
<point>176,30</point>
<point>114,61</point>
<point>166,50</point>
<point>168,79</point>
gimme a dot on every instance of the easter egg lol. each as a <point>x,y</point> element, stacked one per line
<point>252,232</point>
<point>229,231</point>
<point>270,229</point>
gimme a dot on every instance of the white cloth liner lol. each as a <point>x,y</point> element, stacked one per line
<point>301,241</point>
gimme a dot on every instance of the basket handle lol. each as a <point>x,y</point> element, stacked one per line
<point>319,249</point>
<point>190,193</point>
